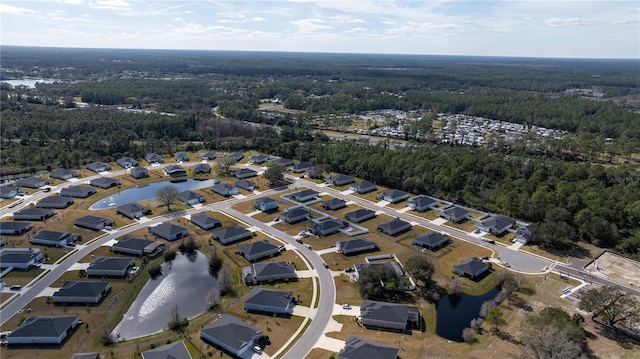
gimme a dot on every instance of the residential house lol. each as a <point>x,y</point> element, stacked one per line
<point>110,266</point>
<point>305,195</point>
<point>201,168</point>
<point>363,187</point>
<point>496,225</point>
<point>32,182</point>
<point>224,189</point>
<point>170,231</point>
<point>63,174</point>
<point>126,162</point>
<point>314,172</point>
<point>53,239</point>
<point>326,228</point>
<point>394,227</point>
<point>356,246</point>
<point>98,167</point>
<point>237,156</point>
<point>391,316</point>
<point>79,191</point>
<point>93,355</point>
<point>9,191</point>
<point>15,228</point>
<point>266,204</point>
<point>82,292</point>
<point>55,201</point>
<point>471,267</point>
<point>182,156</point>
<point>360,348</point>
<point>232,335</point>
<point>360,215</point>
<point>524,233</point>
<point>43,330</point>
<point>258,159</point>
<point>138,247</point>
<point>20,258</point>
<point>139,172</point>
<point>269,301</point>
<point>455,214</point>
<point>205,221</point>
<point>175,350</point>
<point>245,185</point>
<point>273,271</point>
<point>231,234</point>
<point>93,222</point>
<point>333,204</point>
<point>301,167</point>
<point>393,195</point>
<point>295,214</point>
<point>431,240</point>
<point>422,203</point>
<point>153,158</point>
<point>340,180</point>
<point>34,214</point>
<point>258,250</point>
<point>283,161</point>
<point>133,210</point>
<point>104,182</point>
<point>174,171</point>
<point>211,155</point>
<point>191,197</point>
<point>243,173</point>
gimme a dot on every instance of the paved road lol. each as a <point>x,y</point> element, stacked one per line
<point>583,275</point>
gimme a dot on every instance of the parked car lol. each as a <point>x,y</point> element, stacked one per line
<point>485,258</point>
<point>257,349</point>
<point>346,306</point>
<point>506,264</point>
<point>282,248</point>
<point>350,270</point>
<point>299,240</point>
<point>325,264</point>
<point>48,189</point>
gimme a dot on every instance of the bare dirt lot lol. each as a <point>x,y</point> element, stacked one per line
<point>616,268</point>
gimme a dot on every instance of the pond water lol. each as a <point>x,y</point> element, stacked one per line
<point>184,283</point>
<point>31,83</point>
<point>147,192</point>
<point>455,312</point>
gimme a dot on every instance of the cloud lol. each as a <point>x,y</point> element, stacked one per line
<point>110,5</point>
<point>178,19</point>
<point>188,12</point>
<point>357,21</point>
<point>6,9</point>
<point>573,21</point>
<point>72,2</point>
<point>310,25</point>
<point>258,18</point>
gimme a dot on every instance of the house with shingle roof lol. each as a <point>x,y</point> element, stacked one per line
<point>133,210</point>
<point>283,161</point>
<point>176,350</point>
<point>258,250</point>
<point>231,234</point>
<point>245,185</point>
<point>305,195</point>
<point>269,301</point>
<point>93,222</point>
<point>326,228</point>
<point>20,258</point>
<point>182,156</point>
<point>139,172</point>
<point>32,182</point>
<point>138,247</point>
<point>211,155</point>
<point>153,158</point>
<point>496,225</point>
<point>471,267</point>
<point>232,335</point>
<point>356,245</point>
<point>43,330</point>
<point>360,215</point>
<point>104,182</point>
<point>15,228</point>
<point>258,159</point>
<point>190,197</point>
<point>301,167</point>
<point>243,173</point>
<point>55,201</point>
<point>9,191</point>
<point>333,204</point>
<point>394,227</point>
<point>524,233</point>
<point>363,187</point>
<point>294,215</point>
<point>266,204</point>
<point>273,271</point>
<point>205,221</point>
<point>393,195</point>
<point>82,292</point>
<point>110,266</point>
<point>34,214</point>
<point>201,168</point>
<point>431,240</point>
<point>224,189</point>
<point>393,316</point>
<point>86,356</point>
<point>126,162</point>
<point>80,191</point>
<point>63,174</point>
<point>174,171</point>
<point>455,214</point>
<point>422,203</point>
<point>340,180</point>
<point>52,238</point>
<point>170,231</point>
<point>237,156</point>
<point>98,167</point>
<point>360,348</point>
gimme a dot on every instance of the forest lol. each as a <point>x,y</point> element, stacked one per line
<point>197,100</point>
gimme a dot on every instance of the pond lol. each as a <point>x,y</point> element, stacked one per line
<point>31,83</point>
<point>148,192</point>
<point>184,283</point>
<point>454,313</point>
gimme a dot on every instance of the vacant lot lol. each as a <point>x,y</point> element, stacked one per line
<point>616,268</point>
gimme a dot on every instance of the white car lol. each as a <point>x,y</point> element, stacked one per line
<point>257,349</point>
<point>346,306</point>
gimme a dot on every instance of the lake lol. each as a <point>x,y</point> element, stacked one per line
<point>148,192</point>
<point>186,284</point>
<point>31,83</point>
<point>455,312</point>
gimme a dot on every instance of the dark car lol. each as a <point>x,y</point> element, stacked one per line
<point>46,189</point>
<point>349,270</point>
<point>299,240</point>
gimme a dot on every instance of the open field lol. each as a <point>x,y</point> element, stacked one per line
<point>616,268</point>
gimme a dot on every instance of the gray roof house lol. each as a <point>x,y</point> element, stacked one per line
<point>15,228</point>
<point>138,247</point>
<point>333,204</point>
<point>301,167</point>
<point>43,330</point>
<point>20,258</point>
<point>326,228</point>
<point>126,162</point>
<point>245,185</point>
<point>153,158</point>
<point>55,201</point>
<point>93,222</point>
<point>94,355</point>
<point>63,174</point>
<point>32,182</point>
<point>79,191</point>
<point>201,168</point>
<point>393,195</point>
<point>182,156</point>
<point>211,155</point>
<point>269,271</point>
<point>231,234</point>
<point>360,348</point>
<point>110,266</point>
<point>356,246</point>
<point>455,214</point>
<point>269,301</point>
<point>174,171</point>
<point>104,182</point>
<point>258,250</point>
<point>314,172</point>
<point>394,227</point>
<point>391,316</point>
<point>363,187</point>
<point>205,221</point>
<point>471,267</point>
<point>305,195</point>
<point>431,240</point>
<point>496,225</point>
<point>232,335</point>
<point>191,197</point>
<point>34,214</point>
<point>243,173</point>
<point>9,191</point>
<point>133,210</point>
<point>176,350</point>
<point>236,156</point>
<point>98,167</point>
<point>139,172</point>
<point>422,203</point>
<point>257,159</point>
<point>82,292</point>
<point>265,204</point>
<point>51,238</point>
<point>283,161</point>
<point>340,180</point>
<point>224,189</point>
<point>523,234</point>
<point>170,231</point>
<point>294,215</point>
<point>360,215</point>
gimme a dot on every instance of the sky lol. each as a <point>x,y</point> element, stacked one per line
<point>568,29</point>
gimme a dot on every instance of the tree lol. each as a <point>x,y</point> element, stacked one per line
<point>495,317</point>
<point>486,307</point>
<point>106,338</point>
<point>552,334</point>
<point>225,280</point>
<point>455,286</point>
<point>420,269</point>
<point>215,264</point>
<point>610,304</point>
<point>469,335</point>
<point>168,195</point>
<point>274,174</point>
<point>154,270</point>
<point>223,166</point>
<point>176,323</point>
<point>213,297</point>
<point>373,280</point>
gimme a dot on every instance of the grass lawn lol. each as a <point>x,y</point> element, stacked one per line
<point>430,215</point>
<point>20,277</point>
<point>466,225</point>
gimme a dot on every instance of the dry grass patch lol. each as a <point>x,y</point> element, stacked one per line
<point>398,205</point>
<point>430,215</point>
<point>317,353</point>
<point>466,225</point>
<point>20,277</point>
<point>346,290</point>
